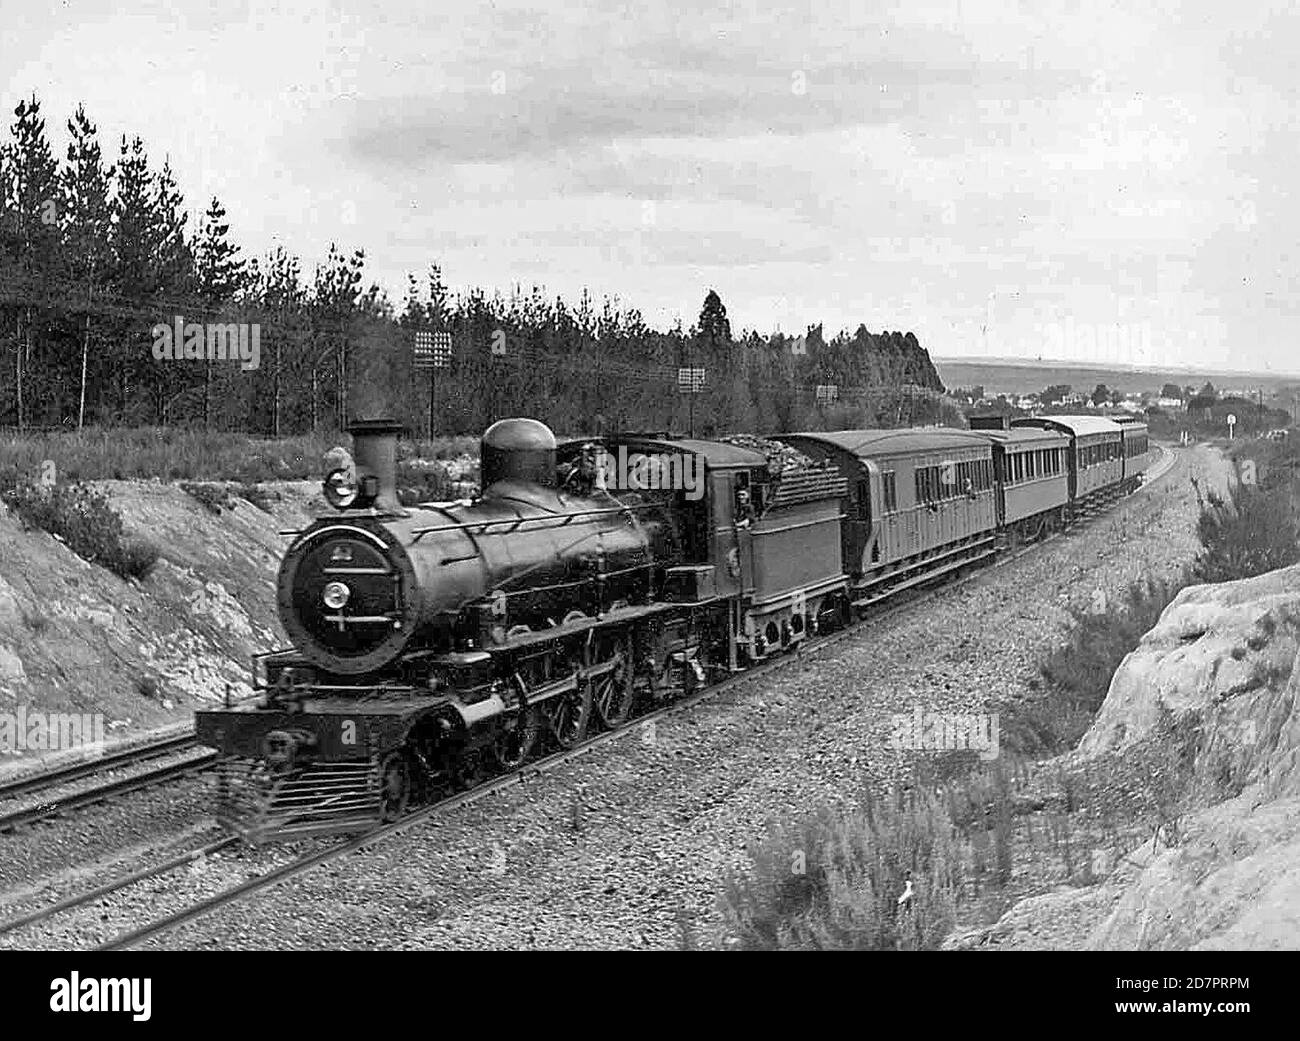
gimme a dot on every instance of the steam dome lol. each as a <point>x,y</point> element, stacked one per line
<point>518,450</point>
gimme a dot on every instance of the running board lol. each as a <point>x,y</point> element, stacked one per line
<point>867,601</point>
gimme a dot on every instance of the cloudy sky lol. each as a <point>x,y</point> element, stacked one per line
<point>1017,179</point>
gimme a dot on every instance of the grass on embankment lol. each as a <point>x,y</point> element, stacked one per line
<point>43,478</point>
<point>167,454</point>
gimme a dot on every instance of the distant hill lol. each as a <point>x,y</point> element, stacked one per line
<point>1009,376</point>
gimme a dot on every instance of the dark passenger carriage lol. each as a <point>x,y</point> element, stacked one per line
<point>920,502</point>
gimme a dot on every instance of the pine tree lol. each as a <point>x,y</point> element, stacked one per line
<point>219,275</point>
<point>713,324</point>
<point>134,277</point>
<point>335,291</point>
<point>33,198</point>
<point>87,230</point>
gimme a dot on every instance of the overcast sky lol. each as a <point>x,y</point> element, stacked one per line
<point>1058,179</point>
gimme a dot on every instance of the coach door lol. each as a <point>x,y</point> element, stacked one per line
<point>860,524</point>
<point>910,508</point>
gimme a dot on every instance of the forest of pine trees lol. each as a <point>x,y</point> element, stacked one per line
<point>98,248</point>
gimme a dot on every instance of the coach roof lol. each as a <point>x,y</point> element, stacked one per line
<point>906,441</point>
<point>1022,437</point>
<point>1079,426</point>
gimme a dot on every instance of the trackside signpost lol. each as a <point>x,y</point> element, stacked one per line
<point>432,352</point>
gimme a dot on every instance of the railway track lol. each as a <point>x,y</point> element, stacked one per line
<point>90,895</point>
<point>911,602</point>
<point>48,780</point>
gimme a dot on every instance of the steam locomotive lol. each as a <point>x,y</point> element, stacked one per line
<point>437,643</point>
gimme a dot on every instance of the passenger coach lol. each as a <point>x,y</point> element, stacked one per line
<point>920,503</point>
<point>1137,450</point>
<point>1095,461</point>
<point>1031,472</point>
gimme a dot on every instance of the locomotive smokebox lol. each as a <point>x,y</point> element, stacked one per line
<point>518,450</point>
<point>375,451</point>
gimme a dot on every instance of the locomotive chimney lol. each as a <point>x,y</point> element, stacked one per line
<point>518,450</point>
<point>375,451</point>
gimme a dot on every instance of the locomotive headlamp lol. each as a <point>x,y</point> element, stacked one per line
<point>336,594</point>
<point>340,489</point>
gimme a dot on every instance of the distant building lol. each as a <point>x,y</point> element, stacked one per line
<point>1174,404</point>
